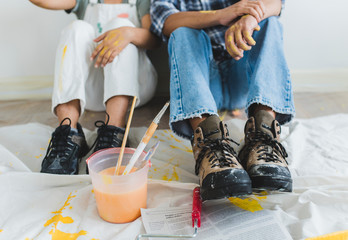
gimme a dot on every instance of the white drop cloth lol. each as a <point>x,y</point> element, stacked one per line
<point>44,206</point>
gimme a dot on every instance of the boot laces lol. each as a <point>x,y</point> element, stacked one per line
<point>60,146</point>
<point>266,141</point>
<point>213,146</point>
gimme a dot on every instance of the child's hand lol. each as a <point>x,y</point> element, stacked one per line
<point>113,42</point>
<point>238,38</point>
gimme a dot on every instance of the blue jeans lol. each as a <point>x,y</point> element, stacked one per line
<point>200,85</point>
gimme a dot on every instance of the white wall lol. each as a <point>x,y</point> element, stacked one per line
<point>315,33</point>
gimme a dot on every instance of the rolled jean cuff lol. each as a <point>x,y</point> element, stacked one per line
<point>180,124</point>
<point>283,114</point>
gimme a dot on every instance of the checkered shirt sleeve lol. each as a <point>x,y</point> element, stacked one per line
<point>160,10</point>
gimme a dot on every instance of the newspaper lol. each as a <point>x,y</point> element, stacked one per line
<point>221,220</point>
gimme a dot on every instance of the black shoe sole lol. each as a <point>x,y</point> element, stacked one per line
<point>227,183</point>
<point>271,184</point>
<point>62,171</point>
<point>235,190</point>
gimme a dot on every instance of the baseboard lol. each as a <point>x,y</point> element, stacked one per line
<point>320,80</point>
<point>40,87</point>
<point>26,87</point>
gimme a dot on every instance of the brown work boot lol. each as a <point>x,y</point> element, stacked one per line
<point>221,175</point>
<point>263,157</point>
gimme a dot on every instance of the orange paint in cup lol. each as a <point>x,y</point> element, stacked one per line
<point>119,198</point>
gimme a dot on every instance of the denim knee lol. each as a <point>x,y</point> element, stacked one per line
<point>273,24</point>
<point>185,35</point>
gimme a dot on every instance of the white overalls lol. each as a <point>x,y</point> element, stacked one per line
<point>131,73</point>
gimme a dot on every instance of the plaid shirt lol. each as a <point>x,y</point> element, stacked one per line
<point>162,9</point>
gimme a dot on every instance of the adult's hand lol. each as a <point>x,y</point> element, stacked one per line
<point>113,42</point>
<point>254,8</point>
<point>238,38</point>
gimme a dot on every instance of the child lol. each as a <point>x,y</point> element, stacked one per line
<point>100,64</point>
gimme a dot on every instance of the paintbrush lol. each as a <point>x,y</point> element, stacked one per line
<point>117,169</point>
<point>146,138</point>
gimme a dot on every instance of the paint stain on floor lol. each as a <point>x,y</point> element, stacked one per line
<point>251,204</point>
<point>342,235</point>
<point>58,218</point>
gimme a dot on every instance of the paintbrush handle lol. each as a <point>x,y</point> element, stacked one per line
<point>144,141</point>
<point>123,146</point>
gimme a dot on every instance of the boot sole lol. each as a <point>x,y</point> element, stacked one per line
<point>271,184</point>
<point>235,190</point>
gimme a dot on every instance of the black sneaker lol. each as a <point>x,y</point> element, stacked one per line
<point>65,150</point>
<point>108,136</point>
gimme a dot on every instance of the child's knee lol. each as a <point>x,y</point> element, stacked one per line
<point>80,27</point>
<point>117,23</point>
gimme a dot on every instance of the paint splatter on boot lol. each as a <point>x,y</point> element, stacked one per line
<point>221,174</point>
<point>263,156</point>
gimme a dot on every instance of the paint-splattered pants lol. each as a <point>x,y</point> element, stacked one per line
<point>200,85</point>
<point>131,73</point>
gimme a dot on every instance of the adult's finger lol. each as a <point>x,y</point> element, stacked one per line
<point>240,41</point>
<point>250,10</point>
<point>248,38</point>
<point>231,47</point>
<point>260,7</point>
<point>259,11</point>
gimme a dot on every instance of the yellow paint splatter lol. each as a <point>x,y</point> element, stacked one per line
<point>223,115</point>
<point>342,235</point>
<point>249,204</point>
<point>211,12</point>
<point>173,137</point>
<point>60,83</point>
<point>56,233</point>
<point>59,235</point>
<point>92,191</point>
<point>249,38</point>
<point>1,230</point>
<point>38,156</point>
<point>174,176</point>
<point>185,149</point>
<point>43,149</point>
<point>28,239</point>
<point>161,140</point>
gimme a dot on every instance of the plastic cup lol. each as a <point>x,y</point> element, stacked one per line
<point>119,197</point>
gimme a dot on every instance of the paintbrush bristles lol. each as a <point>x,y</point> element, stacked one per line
<point>119,162</point>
